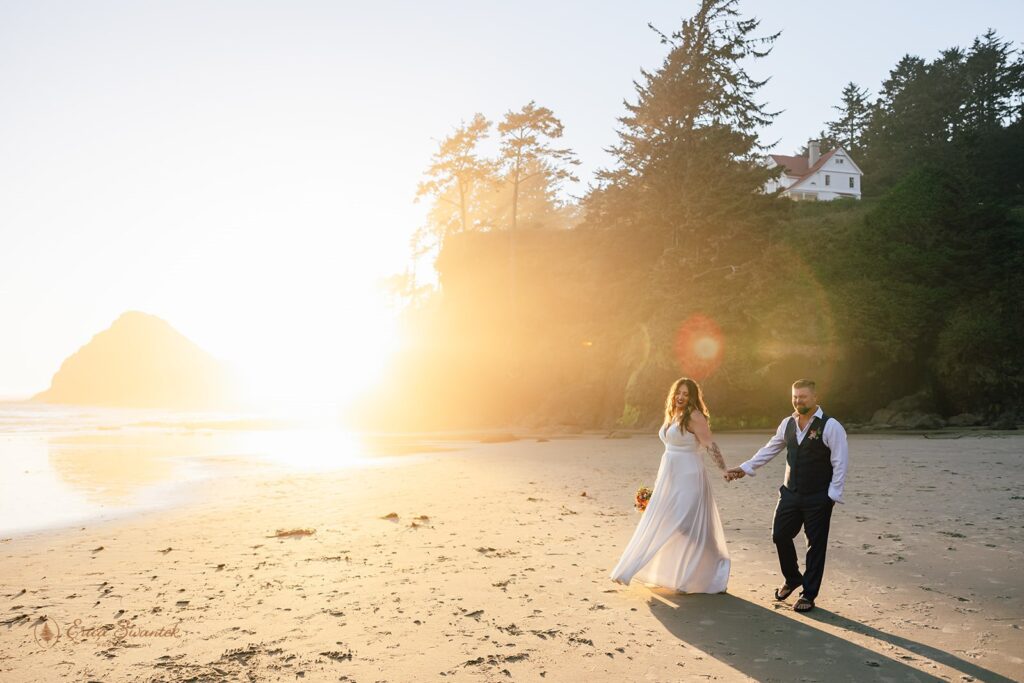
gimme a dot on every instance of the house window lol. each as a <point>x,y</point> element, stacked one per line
<point>851,181</point>
<point>828,180</point>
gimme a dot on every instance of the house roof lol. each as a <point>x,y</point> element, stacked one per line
<point>793,166</point>
<point>797,166</point>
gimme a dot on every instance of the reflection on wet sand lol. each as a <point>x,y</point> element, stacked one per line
<point>113,467</point>
<point>110,469</point>
<point>100,474</point>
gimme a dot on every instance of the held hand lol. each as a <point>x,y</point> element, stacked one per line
<point>735,473</point>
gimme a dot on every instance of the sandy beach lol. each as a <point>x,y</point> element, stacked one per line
<point>496,567</point>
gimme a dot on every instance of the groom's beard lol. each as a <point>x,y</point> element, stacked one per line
<point>803,410</point>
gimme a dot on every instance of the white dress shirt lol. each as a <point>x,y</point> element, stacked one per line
<point>833,436</point>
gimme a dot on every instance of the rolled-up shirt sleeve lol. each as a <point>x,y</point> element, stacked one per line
<point>834,437</point>
<point>775,445</point>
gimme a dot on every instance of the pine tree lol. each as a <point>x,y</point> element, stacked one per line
<point>854,115</point>
<point>907,126</point>
<point>994,83</point>
<point>455,173</point>
<point>535,200</point>
<point>527,152</point>
<point>946,112</point>
<point>688,156</point>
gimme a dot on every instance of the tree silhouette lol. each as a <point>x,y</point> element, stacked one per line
<point>456,171</point>
<point>688,151</point>
<point>854,116</point>
<point>526,150</point>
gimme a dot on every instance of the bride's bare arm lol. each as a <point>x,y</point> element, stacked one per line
<point>702,430</point>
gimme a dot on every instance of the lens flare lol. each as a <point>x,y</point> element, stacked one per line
<point>699,346</point>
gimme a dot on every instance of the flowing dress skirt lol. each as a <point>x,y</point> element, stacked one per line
<point>679,542</point>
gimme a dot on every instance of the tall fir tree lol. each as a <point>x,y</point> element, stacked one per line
<point>954,111</point>
<point>688,155</point>
<point>456,173</point>
<point>994,83</point>
<point>854,116</point>
<point>527,152</point>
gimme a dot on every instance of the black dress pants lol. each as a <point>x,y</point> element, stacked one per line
<point>812,511</point>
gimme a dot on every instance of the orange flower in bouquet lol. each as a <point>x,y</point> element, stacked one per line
<point>643,496</point>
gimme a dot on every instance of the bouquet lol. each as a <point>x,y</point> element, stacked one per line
<point>643,496</point>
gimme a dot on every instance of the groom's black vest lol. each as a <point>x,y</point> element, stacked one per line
<point>808,463</point>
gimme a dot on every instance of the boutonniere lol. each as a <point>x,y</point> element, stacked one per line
<point>813,434</point>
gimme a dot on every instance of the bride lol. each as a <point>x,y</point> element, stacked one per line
<point>679,542</point>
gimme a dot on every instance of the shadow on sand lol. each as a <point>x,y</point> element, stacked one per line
<point>772,646</point>
<point>926,651</point>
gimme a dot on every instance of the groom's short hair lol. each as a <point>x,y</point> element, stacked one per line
<point>804,383</point>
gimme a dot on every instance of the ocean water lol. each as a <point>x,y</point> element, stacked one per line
<point>62,466</point>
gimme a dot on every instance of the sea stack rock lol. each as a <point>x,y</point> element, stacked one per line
<point>140,361</point>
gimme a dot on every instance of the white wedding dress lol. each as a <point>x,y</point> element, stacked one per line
<point>679,542</point>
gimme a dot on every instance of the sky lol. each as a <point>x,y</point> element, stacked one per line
<point>247,170</point>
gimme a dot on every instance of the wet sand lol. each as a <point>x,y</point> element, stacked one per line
<point>496,567</point>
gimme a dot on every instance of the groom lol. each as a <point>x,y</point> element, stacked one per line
<point>816,457</point>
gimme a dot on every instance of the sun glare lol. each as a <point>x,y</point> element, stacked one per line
<point>312,449</point>
<point>322,367</point>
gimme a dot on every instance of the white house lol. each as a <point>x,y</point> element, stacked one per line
<point>816,176</point>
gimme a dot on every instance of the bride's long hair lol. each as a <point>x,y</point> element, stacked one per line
<point>695,402</point>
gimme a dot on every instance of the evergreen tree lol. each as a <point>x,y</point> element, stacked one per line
<point>688,156</point>
<point>455,173</point>
<point>994,83</point>
<point>854,115</point>
<point>914,119</point>
<point>527,152</point>
<point>535,200</point>
<point>949,112</point>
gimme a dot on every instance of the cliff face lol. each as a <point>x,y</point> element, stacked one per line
<point>140,361</point>
<point>875,300</point>
<point>591,327</point>
<point>537,328</point>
